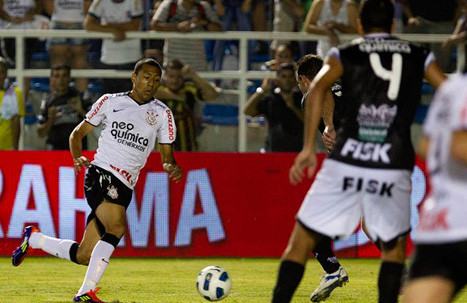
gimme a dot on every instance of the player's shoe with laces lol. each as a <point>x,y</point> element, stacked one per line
<point>20,253</point>
<point>90,296</point>
<point>328,283</point>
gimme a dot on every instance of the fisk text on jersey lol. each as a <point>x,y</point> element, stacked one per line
<point>366,151</point>
<point>371,186</point>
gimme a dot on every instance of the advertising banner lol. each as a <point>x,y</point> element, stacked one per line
<point>227,204</point>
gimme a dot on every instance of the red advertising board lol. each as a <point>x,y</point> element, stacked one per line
<point>227,204</point>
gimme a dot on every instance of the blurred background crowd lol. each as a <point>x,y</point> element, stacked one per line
<point>42,115</point>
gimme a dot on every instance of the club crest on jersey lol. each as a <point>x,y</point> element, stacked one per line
<point>112,192</point>
<point>151,118</point>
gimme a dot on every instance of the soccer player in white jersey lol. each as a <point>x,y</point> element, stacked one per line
<point>132,122</point>
<point>439,268</point>
<point>367,173</point>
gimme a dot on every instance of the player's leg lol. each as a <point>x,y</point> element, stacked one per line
<point>387,217</point>
<point>113,218</point>
<point>391,270</point>
<point>34,239</point>
<point>429,290</point>
<point>326,211</point>
<point>335,275</point>
<point>91,236</point>
<point>326,257</point>
<point>437,272</point>
<point>292,267</point>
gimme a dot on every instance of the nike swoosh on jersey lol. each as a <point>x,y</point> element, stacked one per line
<point>117,110</point>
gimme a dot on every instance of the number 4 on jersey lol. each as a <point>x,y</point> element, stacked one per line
<point>393,75</point>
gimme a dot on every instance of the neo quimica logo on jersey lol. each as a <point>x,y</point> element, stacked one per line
<point>122,132</point>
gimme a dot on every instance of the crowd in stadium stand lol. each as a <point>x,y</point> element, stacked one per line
<point>328,18</point>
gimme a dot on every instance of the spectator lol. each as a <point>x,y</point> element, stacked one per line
<point>154,47</point>
<point>116,17</point>
<point>460,32</point>
<point>185,16</point>
<point>259,18</point>
<point>432,17</point>
<point>283,54</point>
<point>329,17</point>
<point>282,109</point>
<point>287,18</point>
<point>230,11</point>
<point>19,14</point>
<point>68,14</point>
<point>61,111</point>
<point>12,109</point>
<point>181,89</point>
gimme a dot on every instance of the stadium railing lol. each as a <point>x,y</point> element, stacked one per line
<point>242,74</point>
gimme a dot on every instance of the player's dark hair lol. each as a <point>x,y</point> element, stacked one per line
<point>61,66</point>
<point>309,65</point>
<point>174,64</point>
<point>147,61</point>
<point>285,66</point>
<point>377,15</point>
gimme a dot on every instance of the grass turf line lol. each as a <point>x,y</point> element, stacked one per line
<point>144,280</point>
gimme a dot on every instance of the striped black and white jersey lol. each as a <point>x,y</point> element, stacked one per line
<point>381,83</point>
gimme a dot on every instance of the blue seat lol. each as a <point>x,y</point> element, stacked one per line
<point>40,56</point>
<point>420,113</point>
<point>427,89</point>
<point>220,114</point>
<point>260,58</point>
<point>40,84</point>
<point>30,117</point>
<point>209,48</point>
<point>93,56</point>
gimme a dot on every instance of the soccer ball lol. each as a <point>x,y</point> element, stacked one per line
<point>213,283</point>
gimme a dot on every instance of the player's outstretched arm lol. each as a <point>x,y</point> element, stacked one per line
<point>76,145</point>
<point>168,162</point>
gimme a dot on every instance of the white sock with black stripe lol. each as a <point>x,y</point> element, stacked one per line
<point>54,246</point>
<point>98,264</point>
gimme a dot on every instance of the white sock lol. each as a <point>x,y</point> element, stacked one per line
<point>97,265</point>
<point>56,247</point>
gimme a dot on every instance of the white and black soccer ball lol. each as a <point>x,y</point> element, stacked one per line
<point>213,283</point>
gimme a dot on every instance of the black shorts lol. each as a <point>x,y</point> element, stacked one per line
<point>100,185</point>
<point>444,260</point>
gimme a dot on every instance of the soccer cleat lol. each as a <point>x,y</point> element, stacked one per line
<point>328,283</point>
<point>90,296</point>
<point>20,253</point>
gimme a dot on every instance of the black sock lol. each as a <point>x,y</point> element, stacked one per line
<point>389,281</point>
<point>290,275</point>
<point>378,245</point>
<point>325,256</point>
<point>73,252</point>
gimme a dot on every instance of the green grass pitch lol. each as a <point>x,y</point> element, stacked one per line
<point>173,280</point>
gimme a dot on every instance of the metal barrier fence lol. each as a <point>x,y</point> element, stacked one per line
<point>242,74</point>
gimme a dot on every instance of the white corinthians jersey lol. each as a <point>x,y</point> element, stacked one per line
<point>443,215</point>
<point>129,133</point>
